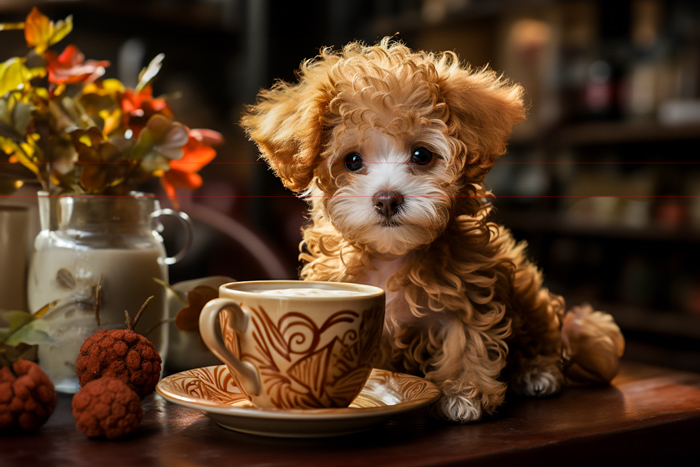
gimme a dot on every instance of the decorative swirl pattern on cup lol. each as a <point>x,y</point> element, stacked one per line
<point>302,364</point>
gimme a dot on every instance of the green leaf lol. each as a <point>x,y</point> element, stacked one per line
<point>33,333</point>
<point>5,111</point>
<point>21,116</point>
<point>9,355</point>
<point>150,72</point>
<point>8,131</point>
<point>16,319</point>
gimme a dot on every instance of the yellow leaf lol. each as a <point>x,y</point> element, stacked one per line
<point>38,72</point>
<point>113,85</point>
<point>60,89</point>
<point>108,87</point>
<point>13,75</point>
<point>9,26</point>
<point>112,121</point>
<point>30,147</point>
<point>18,154</point>
<point>117,181</point>
<point>86,140</point>
<point>61,29</point>
<point>43,93</point>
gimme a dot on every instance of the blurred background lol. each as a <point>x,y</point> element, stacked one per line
<point>602,179</point>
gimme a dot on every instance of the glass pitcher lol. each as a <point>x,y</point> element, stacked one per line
<point>87,240</point>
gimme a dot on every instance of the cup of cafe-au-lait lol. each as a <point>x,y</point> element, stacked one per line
<point>296,344</point>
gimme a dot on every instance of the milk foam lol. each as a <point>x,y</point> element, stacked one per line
<point>308,292</point>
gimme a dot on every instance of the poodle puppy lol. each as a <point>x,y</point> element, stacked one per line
<point>390,147</point>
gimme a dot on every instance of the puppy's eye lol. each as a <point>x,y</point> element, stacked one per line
<point>353,162</point>
<point>421,156</point>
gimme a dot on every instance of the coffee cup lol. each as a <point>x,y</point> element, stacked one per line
<point>296,344</point>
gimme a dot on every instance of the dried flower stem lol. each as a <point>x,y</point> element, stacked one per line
<point>165,321</point>
<point>138,315</point>
<point>98,293</point>
<point>179,295</point>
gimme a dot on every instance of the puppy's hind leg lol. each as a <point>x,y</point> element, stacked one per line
<point>539,377</point>
<point>537,357</point>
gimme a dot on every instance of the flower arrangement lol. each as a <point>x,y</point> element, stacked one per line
<point>81,134</point>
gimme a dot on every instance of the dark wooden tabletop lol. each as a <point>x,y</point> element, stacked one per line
<point>649,416</point>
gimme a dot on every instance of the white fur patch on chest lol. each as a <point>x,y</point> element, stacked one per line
<point>398,312</point>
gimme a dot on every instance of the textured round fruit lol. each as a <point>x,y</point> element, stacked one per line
<point>27,396</point>
<point>121,354</point>
<point>106,407</point>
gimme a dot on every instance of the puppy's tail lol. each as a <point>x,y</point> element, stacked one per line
<point>593,345</point>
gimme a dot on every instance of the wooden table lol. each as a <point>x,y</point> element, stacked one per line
<point>649,416</point>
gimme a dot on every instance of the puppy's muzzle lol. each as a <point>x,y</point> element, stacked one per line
<point>387,203</point>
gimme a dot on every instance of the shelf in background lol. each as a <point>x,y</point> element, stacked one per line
<point>606,132</point>
<point>667,338</point>
<point>413,19</point>
<point>625,131</point>
<point>539,222</point>
<point>663,323</point>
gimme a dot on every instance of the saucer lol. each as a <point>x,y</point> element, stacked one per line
<point>212,391</point>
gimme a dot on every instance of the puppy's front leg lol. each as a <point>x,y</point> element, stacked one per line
<point>466,371</point>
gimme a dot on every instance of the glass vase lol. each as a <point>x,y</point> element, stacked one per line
<point>86,241</point>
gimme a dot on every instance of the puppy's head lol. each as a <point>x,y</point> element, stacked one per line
<point>387,143</point>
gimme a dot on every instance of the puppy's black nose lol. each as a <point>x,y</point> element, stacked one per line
<point>387,203</point>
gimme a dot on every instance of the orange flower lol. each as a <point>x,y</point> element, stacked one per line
<point>70,67</point>
<point>183,172</point>
<point>139,107</point>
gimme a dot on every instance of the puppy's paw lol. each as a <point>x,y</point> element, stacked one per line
<point>539,383</point>
<point>457,408</point>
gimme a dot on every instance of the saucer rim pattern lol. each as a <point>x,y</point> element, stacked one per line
<point>427,395</point>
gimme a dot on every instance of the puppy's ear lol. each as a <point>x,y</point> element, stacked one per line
<point>483,108</point>
<point>286,125</point>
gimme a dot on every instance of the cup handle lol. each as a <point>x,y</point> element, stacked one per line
<point>186,223</point>
<point>246,372</point>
